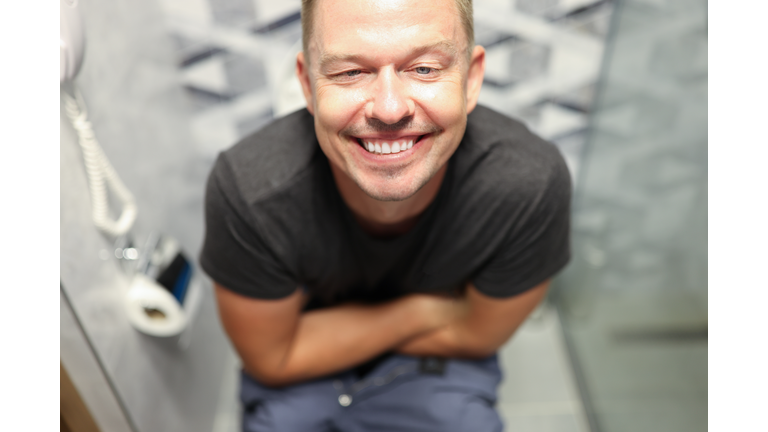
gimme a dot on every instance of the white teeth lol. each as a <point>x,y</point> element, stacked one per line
<point>387,148</point>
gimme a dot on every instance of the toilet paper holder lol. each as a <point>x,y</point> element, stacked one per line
<point>162,296</point>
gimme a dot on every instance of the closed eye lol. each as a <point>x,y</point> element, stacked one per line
<point>347,76</point>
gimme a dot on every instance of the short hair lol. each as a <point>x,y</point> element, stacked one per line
<point>464,7</point>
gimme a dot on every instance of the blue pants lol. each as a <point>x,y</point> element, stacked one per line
<point>401,393</point>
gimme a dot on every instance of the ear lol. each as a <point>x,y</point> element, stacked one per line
<point>475,77</point>
<point>302,72</point>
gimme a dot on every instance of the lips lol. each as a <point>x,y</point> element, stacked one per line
<point>391,146</point>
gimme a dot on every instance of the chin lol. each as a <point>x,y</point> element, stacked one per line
<point>386,195</point>
<point>391,189</point>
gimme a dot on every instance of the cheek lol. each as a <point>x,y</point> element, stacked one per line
<point>336,107</point>
<point>427,93</point>
<point>443,102</point>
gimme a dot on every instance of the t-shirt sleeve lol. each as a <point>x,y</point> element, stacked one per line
<point>234,254</point>
<point>536,248</point>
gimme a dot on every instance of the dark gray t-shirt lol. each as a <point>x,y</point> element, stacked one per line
<point>275,220</point>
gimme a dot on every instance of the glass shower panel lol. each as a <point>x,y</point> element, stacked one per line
<point>634,300</point>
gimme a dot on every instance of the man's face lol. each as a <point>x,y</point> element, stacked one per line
<point>390,86</point>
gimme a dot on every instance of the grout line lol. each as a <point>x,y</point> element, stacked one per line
<point>566,407</point>
<point>544,321</point>
<point>586,414</point>
<point>588,418</point>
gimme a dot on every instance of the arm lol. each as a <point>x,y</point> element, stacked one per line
<point>487,324</point>
<point>280,345</point>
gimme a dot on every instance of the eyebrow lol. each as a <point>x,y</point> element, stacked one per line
<point>444,45</point>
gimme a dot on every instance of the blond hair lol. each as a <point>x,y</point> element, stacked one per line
<point>464,7</point>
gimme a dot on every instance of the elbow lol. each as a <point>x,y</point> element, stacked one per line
<point>478,349</point>
<point>269,378</point>
<point>275,375</point>
<point>272,382</point>
<point>470,346</point>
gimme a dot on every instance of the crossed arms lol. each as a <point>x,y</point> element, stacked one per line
<point>279,345</point>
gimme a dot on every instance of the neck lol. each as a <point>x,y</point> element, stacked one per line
<point>387,218</point>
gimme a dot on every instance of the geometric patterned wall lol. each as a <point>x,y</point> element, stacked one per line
<point>236,60</point>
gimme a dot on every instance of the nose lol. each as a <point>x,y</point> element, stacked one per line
<point>389,101</point>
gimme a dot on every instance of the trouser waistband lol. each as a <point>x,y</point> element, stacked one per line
<point>432,365</point>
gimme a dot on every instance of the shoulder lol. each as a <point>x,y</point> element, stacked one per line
<point>509,160</point>
<point>269,159</point>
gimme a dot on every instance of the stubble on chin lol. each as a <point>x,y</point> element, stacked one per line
<point>389,184</point>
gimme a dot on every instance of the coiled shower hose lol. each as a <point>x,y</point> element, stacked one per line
<point>100,172</point>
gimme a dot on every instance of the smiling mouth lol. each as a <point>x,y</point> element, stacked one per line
<point>382,147</point>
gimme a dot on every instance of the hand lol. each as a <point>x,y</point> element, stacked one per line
<point>484,324</point>
<point>442,313</point>
<point>438,310</point>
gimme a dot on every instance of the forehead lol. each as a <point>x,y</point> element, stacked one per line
<point>383,27</point>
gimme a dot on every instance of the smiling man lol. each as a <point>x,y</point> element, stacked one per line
<point>373,251</point>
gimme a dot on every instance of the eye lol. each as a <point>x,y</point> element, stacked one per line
<point>350,75</point>
<point>423,70</point>
<point>347,76</point>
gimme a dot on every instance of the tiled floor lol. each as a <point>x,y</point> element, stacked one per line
<point>539,393</point>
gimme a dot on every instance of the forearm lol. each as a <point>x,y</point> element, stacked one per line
<point>456,340</point>
<point>330,340</point>
<point>482,330</point>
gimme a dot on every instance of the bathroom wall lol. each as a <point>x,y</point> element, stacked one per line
<point>140,117</point>
<point>635,297</point>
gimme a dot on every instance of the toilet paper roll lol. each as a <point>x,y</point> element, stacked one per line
<point>152,309</point>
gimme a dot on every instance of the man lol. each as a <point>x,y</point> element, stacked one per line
<point>372,252</point>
